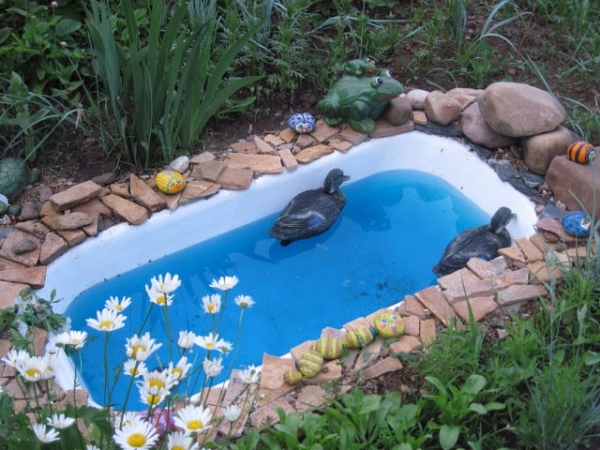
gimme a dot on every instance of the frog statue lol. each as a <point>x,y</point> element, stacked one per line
<point>359,99</point>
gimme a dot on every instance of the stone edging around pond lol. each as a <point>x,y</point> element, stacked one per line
<point>67,218</point>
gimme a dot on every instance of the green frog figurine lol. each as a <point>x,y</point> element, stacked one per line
<point>359,100</point>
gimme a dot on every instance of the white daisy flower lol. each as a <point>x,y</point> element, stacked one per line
<point>207,342</point>
<point>74,339</point>
<point>160,379</point>
<point>193,419</point>
<point>140,348</point>
<point>212,303</point>
<point>153,395</point>
<point>134,368</point>
<point>224,283</point>
<point>158,297</point>
<point>213,367</point>
<point>137,435</point>
<point>91,447</point>
<point>43,434</point>
<point>127,418</point>
<point>186,339</point>
<point>232,413</point>
<point>117,305</point>
<point>223,346</point>
<point>181,369</point>
<point>178,440</point>
<point>251,375</point>
<point>244,301</point>
<point>34,368</point>
<point>51,364</point>
<point>14,357</point>
<point>107,320</point>
<point>60,421</point>
<point>166,284</point>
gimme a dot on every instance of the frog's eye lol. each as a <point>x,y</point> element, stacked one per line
<point>386,73</point>
<point>377,81</point>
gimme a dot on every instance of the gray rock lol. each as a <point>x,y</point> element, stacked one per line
<point>180,164</point>
<point>441,108</point>
<point>540,150</point>
<point>465,96</point>
<point>519,110</point>
<point>477,130</point>
<point>417,97</point>
<point>399,111</point>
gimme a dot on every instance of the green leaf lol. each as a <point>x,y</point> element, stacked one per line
<point>474,384</point>
<point>449,436</point>
<point>66,27</point>
<point>478,408</point>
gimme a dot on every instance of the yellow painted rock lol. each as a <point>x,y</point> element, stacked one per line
<point>358,338</point>
<point>328,347</point>
<point>292,377</point>
<point>310,363</point>
<point>170,182</point>
<point>389,324</point>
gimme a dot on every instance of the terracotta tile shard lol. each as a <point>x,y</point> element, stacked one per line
<point>202,157</point>
<point>129,211</point>
<point>272,372</point>
<point>313,153</point>
<point>384,129</point>
<point>244,147</point>
<point>481,307</point>
<point>405,344</point>
<point>457,279</point>
<point>7,264</point>
<point>386,365</point>
<point>323,131</point>
<point>120,189</point>
<point>52,247</point>
<point>258,163</point>
<point>9,292</point>
<point>273,139</point>
<point>17,240</point>
<point>288,159</point>
<point>428,331</point>
<point>331,371</point>
<point>543,272</point>
<point>67,221</point>
<point>145,195</point>
<point>520,276</point>
<point>209,170</point>
<point>350,134</point>
<point>341,145</point>
<point>288,135</point>
<point>236,179</point>
<point>413,325</point>
<point>33,227</point>
<point>73,237</point>
<point>412,307</point>
<point>512,254</point>
<point>266,416</point>
<point>519,294</point>
<point>472,289</point>
<point>368,355</point>
<point>419,117</point>
<point>481,268</point>
<point>196,190</point>
<point>433,299</point>
<point>33,276</point>
<point>75,195</point>
<point>305,140</point>
<point>531,252</point>
<point>92,207</point>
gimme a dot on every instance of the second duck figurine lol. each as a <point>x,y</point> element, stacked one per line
<point>311,212</point>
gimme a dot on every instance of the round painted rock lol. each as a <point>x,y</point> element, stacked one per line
<point>389,324</point>
<point>170,181</point>
<point>302,123</point>
<point>581,152</point>
<point>358,338</point>
<point>328,347</point>
<point>577,223</point>
<point>310,363</point>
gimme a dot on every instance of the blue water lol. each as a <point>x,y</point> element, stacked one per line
<point>392,231</point>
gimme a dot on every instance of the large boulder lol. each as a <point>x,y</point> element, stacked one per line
<point>477,130</point>
<point>519,110</point>
<point>540,150</point>
<point>573,183</point>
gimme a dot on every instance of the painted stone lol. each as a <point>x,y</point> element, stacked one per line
<point>577,223</point>
<point>302,123</point>
<point>292,377</point>
<point>359,100</point>
<point>389,324</point>
<point>358,338</point>
<point>581,152</point>
<point>170,181</point>
<point>328,347</point>
<point>310,363</point>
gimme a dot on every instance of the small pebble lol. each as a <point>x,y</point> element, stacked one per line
<point>180,164</point>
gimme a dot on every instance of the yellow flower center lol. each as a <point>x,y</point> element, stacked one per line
<point>32,372</point>
<point>211,308</point>
<point>210,345</point>
<point>153,399</point>
<point>177,447</point>
<point>161,300</point>
<point>156,383</point>
<point>195,425</point>
<point>105,324</point>
<point>177,372</point>
<point>137,348</point>
<point>118,308</point>
<point>136,440</point>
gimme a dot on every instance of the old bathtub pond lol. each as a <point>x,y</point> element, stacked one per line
<point>392,231</point>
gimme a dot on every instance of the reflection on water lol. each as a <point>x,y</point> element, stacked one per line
<point>392,231</point>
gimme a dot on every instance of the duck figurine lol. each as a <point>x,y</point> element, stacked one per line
<point>479,242</point>
<point>311,212</point>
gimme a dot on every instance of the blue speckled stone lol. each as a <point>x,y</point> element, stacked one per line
<point>302,122</point>
<point>577,223</point>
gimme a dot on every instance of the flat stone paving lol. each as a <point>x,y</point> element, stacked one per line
<point>486,288</point>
